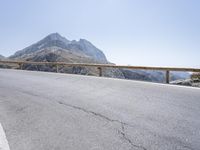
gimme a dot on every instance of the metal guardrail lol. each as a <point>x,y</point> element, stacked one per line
<point>100,66</point>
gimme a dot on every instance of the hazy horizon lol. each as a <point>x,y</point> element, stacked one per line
<point>129,32</point>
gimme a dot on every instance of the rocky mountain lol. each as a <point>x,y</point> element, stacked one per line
<point>55,48</point>
<point>56,42</point>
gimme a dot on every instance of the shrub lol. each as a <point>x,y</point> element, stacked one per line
<point>195,76</point>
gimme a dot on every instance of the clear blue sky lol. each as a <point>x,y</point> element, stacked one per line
<point>135,32</point>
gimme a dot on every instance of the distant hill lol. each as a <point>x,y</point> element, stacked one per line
<point>2,57</point>
<point>153,76</point>
<point>55,47</point>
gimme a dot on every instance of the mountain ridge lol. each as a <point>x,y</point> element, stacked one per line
<point>56,48</point>
<point>56,40</point>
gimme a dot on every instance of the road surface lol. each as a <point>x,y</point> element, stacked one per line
<point>49,111</point>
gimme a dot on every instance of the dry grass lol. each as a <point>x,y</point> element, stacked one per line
<point>195,76</point>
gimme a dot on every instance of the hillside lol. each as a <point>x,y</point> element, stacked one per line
<point>153,75</point>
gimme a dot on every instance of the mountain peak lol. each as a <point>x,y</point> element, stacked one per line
<point>56,37</point>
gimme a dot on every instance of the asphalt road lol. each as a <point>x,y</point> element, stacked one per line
<point>49,111</point>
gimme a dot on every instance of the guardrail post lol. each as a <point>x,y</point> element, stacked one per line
<point>20,66</point>
<point>100,71</point>
<point>167,76</point>
<point>57,68</point>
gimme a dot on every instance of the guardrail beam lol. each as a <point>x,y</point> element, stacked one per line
<point>101,66</point>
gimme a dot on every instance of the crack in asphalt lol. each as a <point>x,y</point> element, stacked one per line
<point>123,124</point>
<point>93,113</point>
<point>122,132</point>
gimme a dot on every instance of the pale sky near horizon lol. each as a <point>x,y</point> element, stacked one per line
<point>129,32</point>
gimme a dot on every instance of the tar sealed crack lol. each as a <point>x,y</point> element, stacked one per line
<point>123,124</point>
